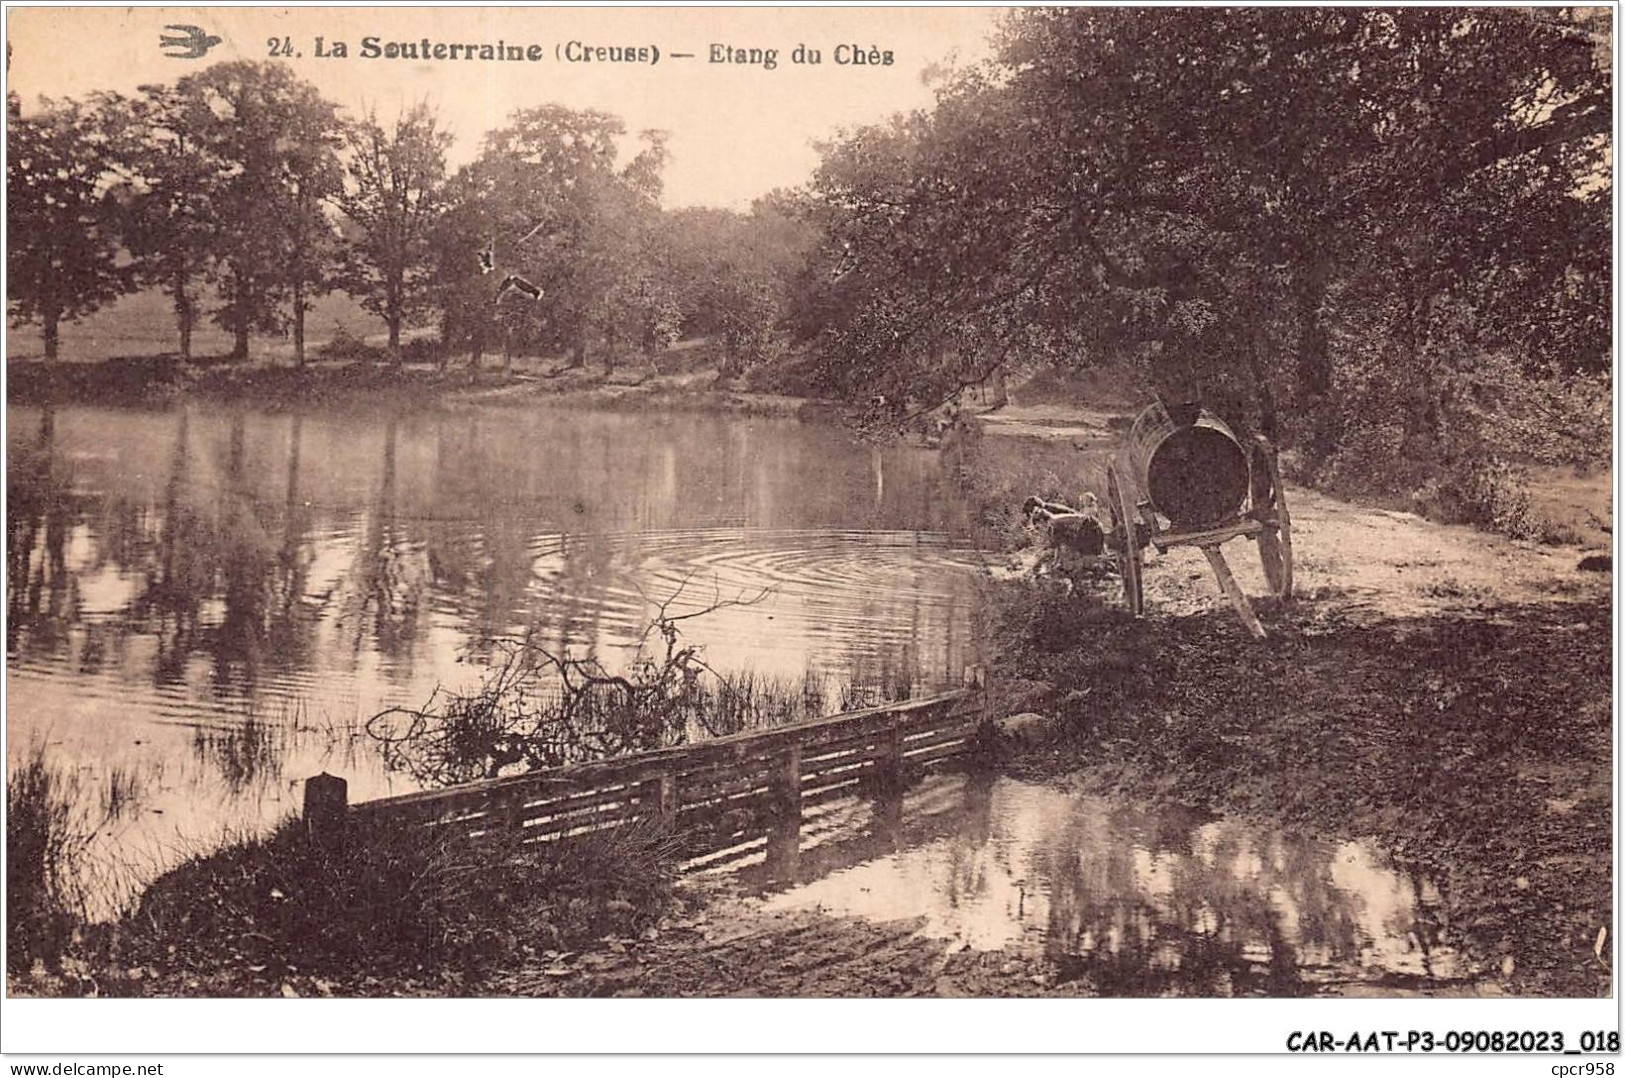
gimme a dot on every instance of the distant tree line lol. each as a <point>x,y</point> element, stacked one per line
<point>1355,228</point>
<point>243,195</point>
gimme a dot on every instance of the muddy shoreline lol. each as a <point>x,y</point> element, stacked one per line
<point>145,382</point>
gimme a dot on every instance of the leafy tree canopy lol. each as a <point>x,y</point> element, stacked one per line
<point>1224,197</point>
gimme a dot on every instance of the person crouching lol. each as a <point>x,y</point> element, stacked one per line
<point>1073,539</point>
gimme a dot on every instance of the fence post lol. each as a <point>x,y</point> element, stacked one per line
<point>783,820</point>
<point>888,819</point>
<point>663,793</point>
<point>888,778</point>
<point>976,682</point>
<point>785,781</point>
<point>510,809</point>
<point>327,807</point>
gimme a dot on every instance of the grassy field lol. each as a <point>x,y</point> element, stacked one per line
<point>143,324</point>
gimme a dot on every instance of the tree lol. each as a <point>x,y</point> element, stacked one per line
<point>736,274</point>
<point>312,177</point>
<point>1246,203</point>
<point>394,196</point>
<point>272,140</point>
<point>545,200</point>
<point>635,304</point>
<point>166,193</point>
<point>1408,127</point>
<point>459,291</point>
<point>61,248</point>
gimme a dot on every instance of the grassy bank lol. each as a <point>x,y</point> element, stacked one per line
<point>394,912</point>
<point>156,380</point>
<point>1475,747</point>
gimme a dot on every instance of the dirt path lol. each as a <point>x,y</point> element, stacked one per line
<point>1379,563</point>
<point>739,948</point>
<point>1371,561</point>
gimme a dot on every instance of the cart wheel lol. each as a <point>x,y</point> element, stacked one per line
<point>1129,551</point>
<point>1269,502</point>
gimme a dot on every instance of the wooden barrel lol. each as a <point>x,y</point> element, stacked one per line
<point>1189,464</point>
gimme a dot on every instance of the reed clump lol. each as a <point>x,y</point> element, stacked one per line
<point>47,837</point>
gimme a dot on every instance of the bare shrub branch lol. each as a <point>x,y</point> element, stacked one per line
<point>540,707</point>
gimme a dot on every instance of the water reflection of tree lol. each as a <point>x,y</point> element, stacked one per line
<point>1166,902</point>
<point>561,484</point>
<point>247,560</point>
<point>383,593</point>
<point>41,594</point>
<point>532,517</point>
<point>1234,917</point>
<point>240,553</point>
<point>447,541</point>
<point>533,523</point>
<point>291,625</point>
<point>574,604</point>
<point>496,561</point>
<point>1421,925</point>
<point>180,571</point>
<point>245,755</point>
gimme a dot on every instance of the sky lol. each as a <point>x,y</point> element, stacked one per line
<point>737,130</point>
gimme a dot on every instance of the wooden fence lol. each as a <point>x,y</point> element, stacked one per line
<point>724,791</point>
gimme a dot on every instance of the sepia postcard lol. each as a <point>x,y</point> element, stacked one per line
<point>530,505</point>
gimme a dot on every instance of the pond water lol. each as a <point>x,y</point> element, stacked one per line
<point>205,602</point>
<point>1140,902</point>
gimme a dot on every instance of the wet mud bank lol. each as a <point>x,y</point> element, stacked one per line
<point>157,381</point>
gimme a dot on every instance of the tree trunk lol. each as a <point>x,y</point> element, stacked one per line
<point>184,315</point>
<point>298,322</point>
<point>239,318</point>
<point>52,320</point>
<point>612,348</point>
<point>1314,364</point>
<point>1001,394</point>
<point>392,316</point>
<point>1426,420</point>
<point>1265,396</point>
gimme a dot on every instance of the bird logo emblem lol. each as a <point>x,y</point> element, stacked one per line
<point>188,42</point>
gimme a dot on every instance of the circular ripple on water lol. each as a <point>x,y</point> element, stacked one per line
<point>815,599</point>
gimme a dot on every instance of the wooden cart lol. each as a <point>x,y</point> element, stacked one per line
<point>1192,472</point>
